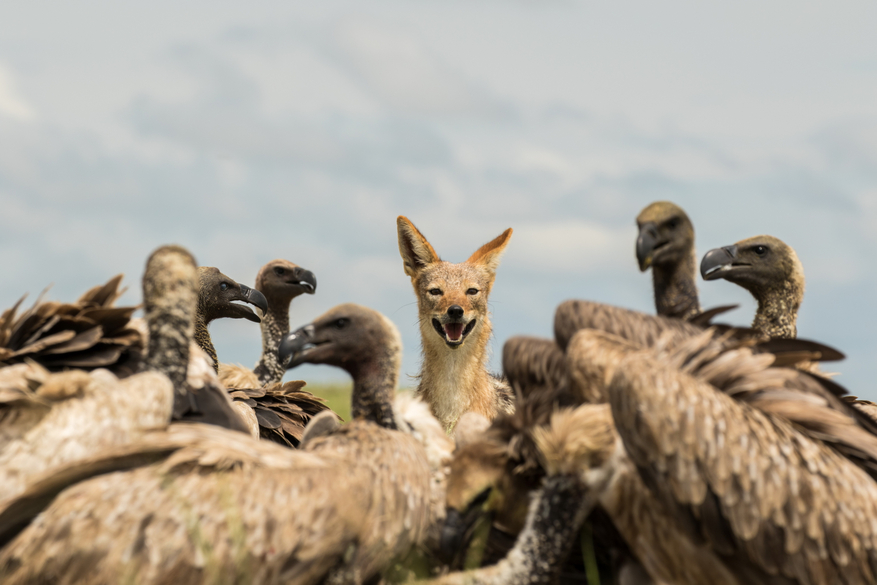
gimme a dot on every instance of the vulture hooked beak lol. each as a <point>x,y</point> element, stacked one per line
<point>297,346</point>
<point>646,244</point>
<point>718,261</point>
<point>306,280</point>
<point>252,297</point>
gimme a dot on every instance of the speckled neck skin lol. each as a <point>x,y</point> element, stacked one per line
<point>554,520</point>
<point>676,289</point>
<point>170,292</point>
<point>202,338</point>
<point>275,324</point>
<point>777,313</point>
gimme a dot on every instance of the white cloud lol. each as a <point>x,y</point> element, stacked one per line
<point>402,72</point>
<point>572,246</point>
<point>12,103</point>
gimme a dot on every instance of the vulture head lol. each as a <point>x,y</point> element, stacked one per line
<point>221,297</point>
<point>354,338</point>
<point>761,265</point>
<point>281,281</point>
<point>666,235</point>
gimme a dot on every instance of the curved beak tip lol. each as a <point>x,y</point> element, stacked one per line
<point>716,262</point>
<point>645,247</point>
<point>258,300</point>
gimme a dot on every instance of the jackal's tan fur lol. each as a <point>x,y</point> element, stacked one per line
<point>454,377</point>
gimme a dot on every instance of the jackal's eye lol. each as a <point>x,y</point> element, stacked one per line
<point>435,291</point>
<point>472,291</point>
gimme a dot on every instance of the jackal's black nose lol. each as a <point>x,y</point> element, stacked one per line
<point>455,312</point>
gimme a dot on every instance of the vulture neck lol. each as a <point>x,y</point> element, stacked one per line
<point>777,313</point>
<point>275,325</point>
<point>543,544</point>
<point>169,311</point>
<point>675,288</point>
<point>202,338</point>
<point>374,386</point>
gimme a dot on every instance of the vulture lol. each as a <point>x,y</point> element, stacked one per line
<point>220,297</point>
<point>280,281</point>
<point>199,504</point>
<point>630,533</point>
<point>813,405</point>
<point>275,411</point>
<point>49,419</point>
<point>765,464</point>
<point>770,270</point>
<point>575,452</point>
<point>665,244</point>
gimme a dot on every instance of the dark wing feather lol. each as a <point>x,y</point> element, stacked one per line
<point>73,335</point>
<point>705,318</point>
<point>283,410</point>
<point>531,364</point>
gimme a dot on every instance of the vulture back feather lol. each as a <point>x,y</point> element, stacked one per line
<point>769,495</point>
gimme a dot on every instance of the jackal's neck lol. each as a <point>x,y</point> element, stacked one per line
<point>455,380</point>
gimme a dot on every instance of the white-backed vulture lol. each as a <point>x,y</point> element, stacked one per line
<point>280,281</point>
<point>218,298</point>
<point>220,506</point>
<point>758,461</point>
<point>276,411</point>
<point>50,419</point>
<point>576,465</point>
<point>770,270</point>
<point>633,534</point>
<point>665,244</point>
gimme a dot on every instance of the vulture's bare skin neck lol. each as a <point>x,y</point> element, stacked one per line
<point>374,387</point>
<point>202,338</point>
<point>777,313</point>
<point>676,289</point>
<point>275,325</point>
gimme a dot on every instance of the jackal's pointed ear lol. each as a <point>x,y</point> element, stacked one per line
<point>488,255</point>
<point>416,252</point>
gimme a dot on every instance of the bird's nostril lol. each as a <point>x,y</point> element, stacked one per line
<point>455,312</point>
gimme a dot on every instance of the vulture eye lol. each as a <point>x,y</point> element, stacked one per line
<point>673,223</point>
<point>472,291</point>
<point>760,250</point>
<point>223,286</point>
<point>279,271</point>
<point>435,291</point>
<point>341,323</point>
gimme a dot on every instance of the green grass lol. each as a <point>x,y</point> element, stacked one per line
<point>337,396</point>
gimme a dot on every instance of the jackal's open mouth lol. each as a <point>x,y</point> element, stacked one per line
<point>454,333</point>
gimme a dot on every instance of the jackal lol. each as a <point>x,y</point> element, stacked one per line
<point>454,326</point>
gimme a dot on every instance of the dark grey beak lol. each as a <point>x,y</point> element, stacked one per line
<point>645,245</point>
<point>255,298</point>
<point>294,347</point>
<point>717,261</point>
<point>306,280</point>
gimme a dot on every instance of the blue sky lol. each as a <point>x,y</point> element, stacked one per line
<point>301,130</point>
